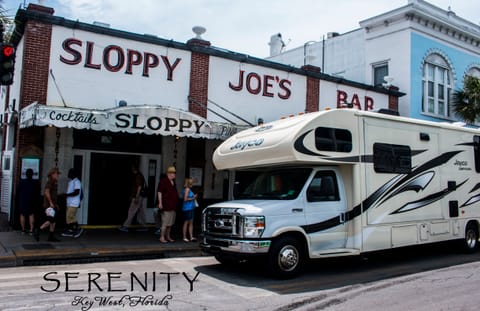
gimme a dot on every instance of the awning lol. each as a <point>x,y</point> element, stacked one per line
<point>129,119</point>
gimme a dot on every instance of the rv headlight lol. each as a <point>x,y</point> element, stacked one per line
<point>253,226</point>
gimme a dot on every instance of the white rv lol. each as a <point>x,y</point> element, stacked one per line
<point>344,182</point>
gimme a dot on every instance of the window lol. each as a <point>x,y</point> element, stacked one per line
<point>474,72</point>
<point>380,71</point>
<point>271,184</point>
<point>333,139</point>
<point>323,187</point>
<point>436,87</point>
<point>389,158</point>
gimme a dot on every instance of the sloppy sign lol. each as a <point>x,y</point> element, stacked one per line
<point>133,119</point>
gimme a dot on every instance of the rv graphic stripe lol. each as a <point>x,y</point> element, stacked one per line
<point>417,180</point>
<point>427,200</point>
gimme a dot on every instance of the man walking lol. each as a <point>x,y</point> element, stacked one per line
<point>74,192</point>
<point>136,202</point>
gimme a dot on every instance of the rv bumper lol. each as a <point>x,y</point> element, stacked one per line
<point>218,245</point>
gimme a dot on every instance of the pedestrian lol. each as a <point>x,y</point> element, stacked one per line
<point>28,200</point>
<point>50,204</point>
<point>188,209</point>
<point>136,202</point>
<point>74,193</point>
<point>167,203</point>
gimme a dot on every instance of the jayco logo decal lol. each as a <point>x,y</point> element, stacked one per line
<point>248,143</point>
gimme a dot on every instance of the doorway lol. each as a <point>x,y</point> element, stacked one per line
<point>109,188</point>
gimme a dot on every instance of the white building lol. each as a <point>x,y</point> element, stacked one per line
<point>422,49</point>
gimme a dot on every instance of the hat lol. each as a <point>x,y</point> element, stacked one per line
<point>171,169</point>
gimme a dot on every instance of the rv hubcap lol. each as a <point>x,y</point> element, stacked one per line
<point>471,238</point>
<point>288,258</point>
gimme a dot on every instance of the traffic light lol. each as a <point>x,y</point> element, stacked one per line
<point>7,63</point>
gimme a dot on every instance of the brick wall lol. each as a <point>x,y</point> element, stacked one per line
<point>198,99</point>
<point>393,100</point>
<point>313,90</point>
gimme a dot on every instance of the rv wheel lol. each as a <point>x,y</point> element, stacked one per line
<point>285,257</point>
<point>470,242</point>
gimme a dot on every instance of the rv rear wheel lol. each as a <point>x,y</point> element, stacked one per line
<point>285,257</point>
<point>470,242</point>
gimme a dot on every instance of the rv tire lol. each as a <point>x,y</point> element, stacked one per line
<point>285,257</point>
<point>470,243</point>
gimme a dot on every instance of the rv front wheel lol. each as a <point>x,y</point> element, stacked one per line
<point>285,257</point>
<point>471,238</point>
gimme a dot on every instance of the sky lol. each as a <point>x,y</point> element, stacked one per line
<point>242,26</point>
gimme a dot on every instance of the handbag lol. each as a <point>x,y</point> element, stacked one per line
<point>50,212</point>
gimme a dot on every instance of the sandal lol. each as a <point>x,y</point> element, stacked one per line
<point>193,239</point>
<point>171,240</point>
<point>163,241</point>
<point>186,240</point>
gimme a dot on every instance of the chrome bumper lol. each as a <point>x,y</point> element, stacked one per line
<point>215,244</point>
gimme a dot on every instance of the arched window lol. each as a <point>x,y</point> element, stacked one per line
<point>474,72</point>
<point>437,86</point>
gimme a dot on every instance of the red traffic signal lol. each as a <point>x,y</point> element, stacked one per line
<point>8,50</point>
<point>7,63</point>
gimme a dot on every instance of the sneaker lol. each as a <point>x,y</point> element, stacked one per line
<point>142,229</point>
<point>78,233</point>
<point>68,233</point>
<point>123,229</point>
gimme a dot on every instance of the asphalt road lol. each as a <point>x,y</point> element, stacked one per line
<point>425,278</point>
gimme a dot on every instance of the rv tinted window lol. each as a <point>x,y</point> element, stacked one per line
<point>277,184</point>
<point>389,158</point>
<point>323,187</point>
<point>333,139</point>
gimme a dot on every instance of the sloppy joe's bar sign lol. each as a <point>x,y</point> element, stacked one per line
<point>135,119</point>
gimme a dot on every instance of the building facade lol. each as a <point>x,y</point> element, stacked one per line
<point>99,100</point>
<point>423,50</point>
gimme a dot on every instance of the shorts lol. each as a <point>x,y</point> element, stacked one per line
<point>188,215</point>
<point>71,214</point>
<point>168,219</point>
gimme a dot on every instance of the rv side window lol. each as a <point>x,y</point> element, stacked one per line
<point>333,139</point>
<point>323,187</point>
<point>476,148</point>
<point>389,158</point>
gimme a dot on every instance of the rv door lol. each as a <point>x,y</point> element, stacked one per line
<point>325,212</point>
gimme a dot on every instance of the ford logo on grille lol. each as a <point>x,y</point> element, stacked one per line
<point>219,223</point>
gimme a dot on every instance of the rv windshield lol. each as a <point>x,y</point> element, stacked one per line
<point>279,184</point>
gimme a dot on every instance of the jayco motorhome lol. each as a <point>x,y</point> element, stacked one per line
<point>344,182</point>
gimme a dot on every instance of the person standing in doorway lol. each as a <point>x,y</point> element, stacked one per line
<point>188,209</point>
<point>167,203</point>
<point>136,202</point>
<point>29,199</point>
<point>50,204</point>
<point>74,191</point>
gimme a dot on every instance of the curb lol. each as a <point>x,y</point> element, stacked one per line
<point>94,254</point>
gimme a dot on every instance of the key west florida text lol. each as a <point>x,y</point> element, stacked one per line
<point>343,182</point>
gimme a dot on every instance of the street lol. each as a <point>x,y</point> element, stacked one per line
<point>427,278</point>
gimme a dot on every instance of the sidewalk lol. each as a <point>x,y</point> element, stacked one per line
<point>17,249</point>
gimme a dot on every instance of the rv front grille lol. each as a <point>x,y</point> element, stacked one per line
<point>222,222</point>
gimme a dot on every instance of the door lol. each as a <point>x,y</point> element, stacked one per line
<point>110,187</point>
<point>150,168</point>
<point>325,212</point>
